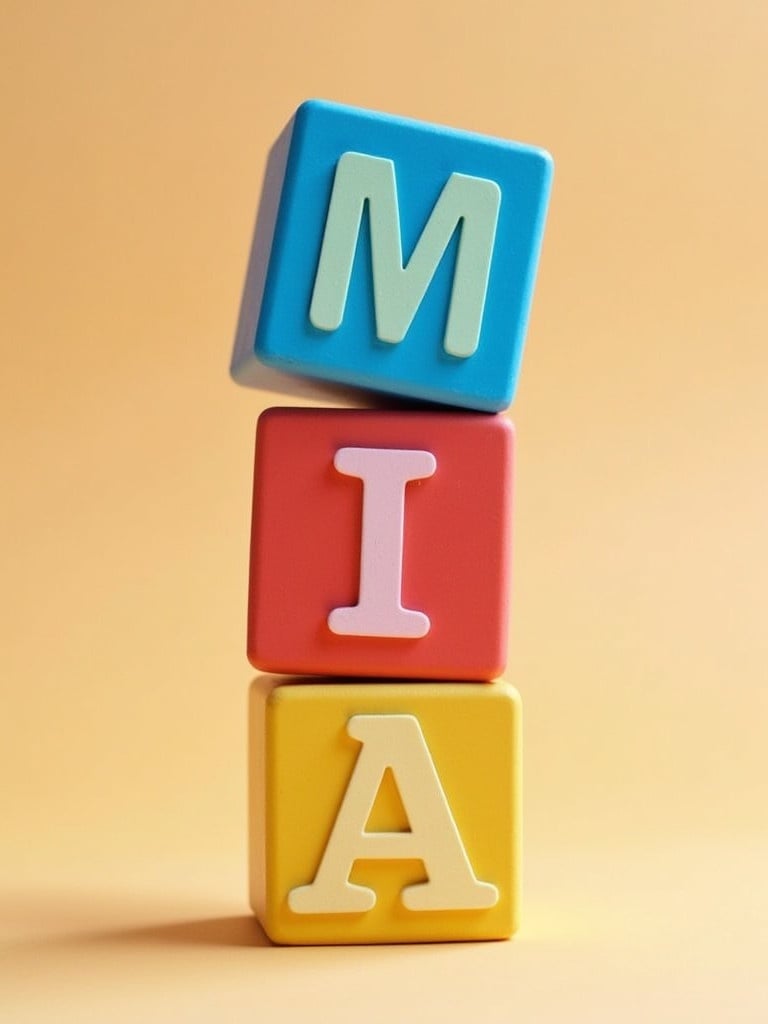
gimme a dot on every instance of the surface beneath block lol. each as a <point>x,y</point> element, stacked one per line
<point>665,932</point>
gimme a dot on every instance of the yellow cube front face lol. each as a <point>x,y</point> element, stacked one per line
<point>384,812</point>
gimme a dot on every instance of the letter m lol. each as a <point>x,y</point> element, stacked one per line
<point>473,203</point>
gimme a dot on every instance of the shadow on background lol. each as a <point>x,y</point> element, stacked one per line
<point>241,931</point>
<point>214,931</point>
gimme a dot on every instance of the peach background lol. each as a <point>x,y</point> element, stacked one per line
<point>134,138</point>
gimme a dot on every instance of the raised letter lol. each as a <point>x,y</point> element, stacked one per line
<point>384,473</point>
<point>396,742</point>
<point>397,289</point>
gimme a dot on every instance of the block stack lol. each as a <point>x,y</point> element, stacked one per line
<point>385,749</point>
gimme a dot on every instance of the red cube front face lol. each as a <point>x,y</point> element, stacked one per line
<point>381,544</point>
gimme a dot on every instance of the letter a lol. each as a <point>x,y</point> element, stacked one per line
<point>385,473</point>
<point>395,742</point>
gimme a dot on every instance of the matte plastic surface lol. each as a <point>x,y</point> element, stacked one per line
<point>402,257</point>
<point>308,544</point>
<point>316,769</point>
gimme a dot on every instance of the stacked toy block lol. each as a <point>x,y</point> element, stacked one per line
<point>399,258</point>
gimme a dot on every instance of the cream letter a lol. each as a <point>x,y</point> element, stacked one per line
<point>395,742</point>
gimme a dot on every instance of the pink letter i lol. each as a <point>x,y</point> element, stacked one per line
<point>384,472</point>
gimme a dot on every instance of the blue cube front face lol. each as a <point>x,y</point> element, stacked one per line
<point>403,257</point>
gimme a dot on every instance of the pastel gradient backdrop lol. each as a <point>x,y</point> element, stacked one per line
<point>134,138</point>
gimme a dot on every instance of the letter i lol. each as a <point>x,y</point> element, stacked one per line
<point>379,611</point>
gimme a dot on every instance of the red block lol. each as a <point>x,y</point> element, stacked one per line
<point>318,528</point>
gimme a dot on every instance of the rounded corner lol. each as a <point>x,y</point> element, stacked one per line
<point>547,160</point>
<point>310,107</point>
<point>306,107</point>
<point>505,425</point>
<point>276,932</point>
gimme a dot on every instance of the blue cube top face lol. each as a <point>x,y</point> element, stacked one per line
<point>403,258</point>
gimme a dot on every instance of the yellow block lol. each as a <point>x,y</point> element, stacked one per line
<point>384,812</point>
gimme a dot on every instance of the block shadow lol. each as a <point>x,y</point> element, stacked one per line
<point>240,931</point>
<point>236,931</point>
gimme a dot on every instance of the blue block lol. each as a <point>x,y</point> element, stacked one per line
<point>410,319</point>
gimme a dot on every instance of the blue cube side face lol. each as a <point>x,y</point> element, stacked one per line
<point>403,257</point>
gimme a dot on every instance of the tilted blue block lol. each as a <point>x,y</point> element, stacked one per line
<point>400,258</point>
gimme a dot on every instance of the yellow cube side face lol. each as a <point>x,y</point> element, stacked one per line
<point>384,812</point>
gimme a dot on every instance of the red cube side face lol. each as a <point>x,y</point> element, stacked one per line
<point>381,544</point>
